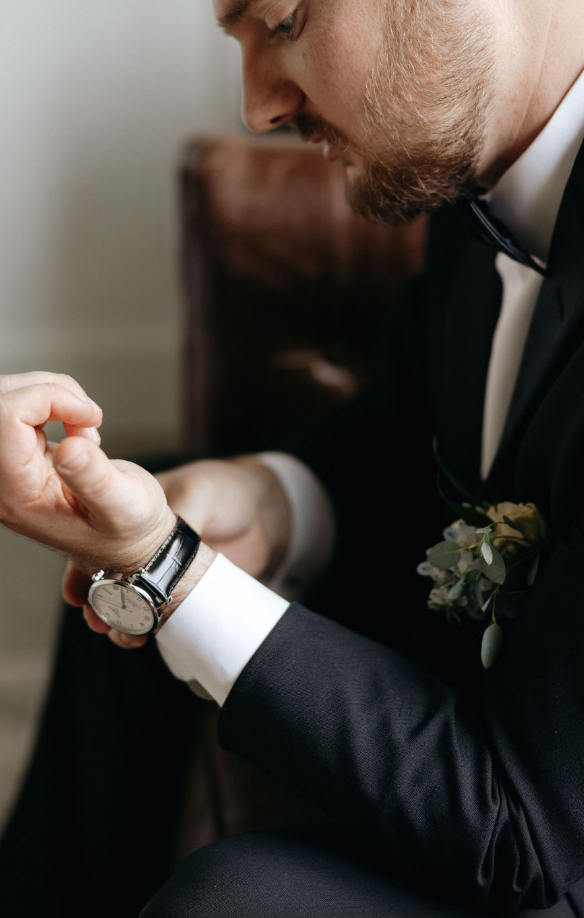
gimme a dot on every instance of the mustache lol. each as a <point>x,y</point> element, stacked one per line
<point>308,126</point>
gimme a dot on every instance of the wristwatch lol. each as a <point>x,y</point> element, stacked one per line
<point>135,605</point>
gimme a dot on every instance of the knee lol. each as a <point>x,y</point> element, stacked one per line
<point>218,881</point>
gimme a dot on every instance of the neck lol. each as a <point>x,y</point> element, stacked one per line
<point>541,55</point>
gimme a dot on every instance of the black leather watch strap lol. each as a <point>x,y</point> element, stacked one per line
<point>172,559</point>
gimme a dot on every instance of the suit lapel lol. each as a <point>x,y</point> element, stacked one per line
<point>462,308</point>
<point>558,313</point>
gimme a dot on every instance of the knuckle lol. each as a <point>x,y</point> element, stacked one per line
<point>8,514</point>
<point>9,382</point>
<point>70,383</point>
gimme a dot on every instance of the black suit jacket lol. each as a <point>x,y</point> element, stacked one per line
<point>472,779</point>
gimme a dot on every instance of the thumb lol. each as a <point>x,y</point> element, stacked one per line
<point>109,493</point>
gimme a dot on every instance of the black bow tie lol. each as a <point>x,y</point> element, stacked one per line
<point>495,234</point>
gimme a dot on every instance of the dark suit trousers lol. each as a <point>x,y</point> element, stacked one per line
<point>320,873</point>
<point>91,832</point>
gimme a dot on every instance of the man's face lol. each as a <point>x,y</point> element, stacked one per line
<point>398,90</point>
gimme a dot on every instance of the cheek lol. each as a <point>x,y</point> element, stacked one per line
<point>337,69</point>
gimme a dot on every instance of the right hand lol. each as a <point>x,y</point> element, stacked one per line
<point>237,506</point>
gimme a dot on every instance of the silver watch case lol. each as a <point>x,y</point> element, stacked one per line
<point>125,604</point>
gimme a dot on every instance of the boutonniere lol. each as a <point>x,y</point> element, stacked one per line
<point>486,565</point>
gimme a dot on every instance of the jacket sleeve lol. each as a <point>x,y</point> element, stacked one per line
<point>480,792</point>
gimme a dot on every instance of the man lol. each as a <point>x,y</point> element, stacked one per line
<point>458,790</point>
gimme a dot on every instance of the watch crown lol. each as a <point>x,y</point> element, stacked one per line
<point>98,576</point>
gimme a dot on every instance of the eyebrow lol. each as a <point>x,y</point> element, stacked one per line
<point>235,14</point>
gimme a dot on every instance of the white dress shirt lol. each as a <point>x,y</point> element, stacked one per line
<point>219,626</point>
<point>214,633</point>
<point>527,198</point>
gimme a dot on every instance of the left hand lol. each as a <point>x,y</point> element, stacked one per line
<point>100,513</point>
<point>237,506</point>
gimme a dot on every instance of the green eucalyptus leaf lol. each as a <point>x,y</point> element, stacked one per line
<point>458,590</point>
<point>533,569</point>
<point>488,602</point>
<point>491,645</point>
<point>496,570</point>
<point>487,552</point>
<point>444,555</point>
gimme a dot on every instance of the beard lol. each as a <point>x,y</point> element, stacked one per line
<point>425,108</point>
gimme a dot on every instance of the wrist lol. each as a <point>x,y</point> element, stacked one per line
<point>137,602</point>
<point>134,554</point>
<point>192,576</point>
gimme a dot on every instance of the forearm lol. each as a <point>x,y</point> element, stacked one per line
<point>482,793</point>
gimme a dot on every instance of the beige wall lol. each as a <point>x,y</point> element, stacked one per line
<point>95,102</point>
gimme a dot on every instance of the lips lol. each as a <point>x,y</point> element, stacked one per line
<point>332,151</point>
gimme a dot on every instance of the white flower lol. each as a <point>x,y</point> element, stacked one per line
<point>438,598</point>
<point>528,519</point>
<point>471,553</point>
<point>468,562</point>
<point>461,533</point>
<point>427,570</point>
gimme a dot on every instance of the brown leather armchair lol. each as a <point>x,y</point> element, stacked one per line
<point>286,293</point>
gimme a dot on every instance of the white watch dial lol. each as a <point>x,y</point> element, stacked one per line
<point>122,607</point>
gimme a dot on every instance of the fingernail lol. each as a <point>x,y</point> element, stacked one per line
<point>92,403</point>
<point>75,463</point>
<point>94,434</point>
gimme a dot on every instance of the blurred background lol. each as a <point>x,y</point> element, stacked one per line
<point>96,102</point>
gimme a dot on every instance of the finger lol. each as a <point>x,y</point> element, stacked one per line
<point>94,622</point>
<point>75,585</point>
<point>91,433</point>
<point>127,641</point>
<point>35,405</point>
<point>14,381</point>
<point>22,412</point>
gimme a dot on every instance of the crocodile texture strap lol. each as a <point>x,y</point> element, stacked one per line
<point>172,559</point>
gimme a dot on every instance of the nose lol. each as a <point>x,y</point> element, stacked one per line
<point>270,99</point>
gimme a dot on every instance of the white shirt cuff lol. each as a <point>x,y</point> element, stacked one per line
<point>312,525</point>
<point>216,630</point>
